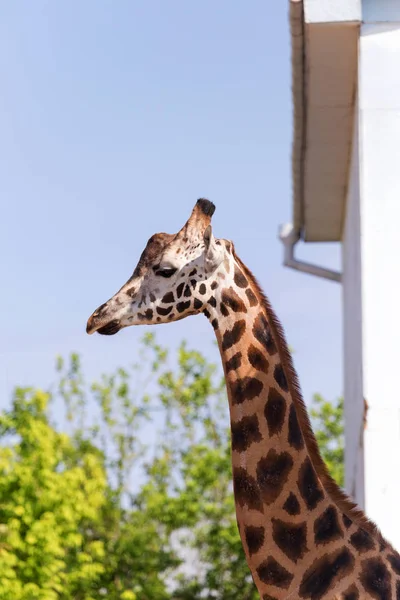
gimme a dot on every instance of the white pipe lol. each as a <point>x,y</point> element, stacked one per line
<point>290,237</point>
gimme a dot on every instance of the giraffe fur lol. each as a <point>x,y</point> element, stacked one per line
<point>302,536</point>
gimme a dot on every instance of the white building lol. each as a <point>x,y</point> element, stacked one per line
<point>346,184</point>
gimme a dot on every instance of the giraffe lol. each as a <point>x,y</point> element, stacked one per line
<point>302,537</point>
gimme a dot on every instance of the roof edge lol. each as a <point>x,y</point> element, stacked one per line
<point>296,18</point>
<point>310,127</point>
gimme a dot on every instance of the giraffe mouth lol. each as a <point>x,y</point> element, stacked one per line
<point>101,322</point>
<point>111,328</point>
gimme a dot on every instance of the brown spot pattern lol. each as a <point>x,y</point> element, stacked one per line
<point>246,388</point>
<point>246,489</point>
<point>272,573</point>
<point>164,311</point>
<point>233,363</point>
<point>280,378</point>
<point>346,521</point>
<point>362,541</point>
<point>272,473</point>
<point>274,411</point>
<point>309,486</point>
<point>325,572</point>
<point>168,298</point>
<point>295,437</point>
<point>179,289</point>
<point>239,278</point>
<point>257,359</point>
<point>231,299</point>
<point>326,527</point>
<point>232,336</point>
<point>244,433</point>
<point>181,306</point>
<point>197,304</point>
<point>262,332</point>
<point>224,310</point>
<point>254,538</point>
<point>375,578</point>
<point>292,505</point>
<point>291,538</point>
<point>251,297</point>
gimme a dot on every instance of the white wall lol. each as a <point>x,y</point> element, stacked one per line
<point>379,121</point>
<point>352,333</point>
<point>332,11</point>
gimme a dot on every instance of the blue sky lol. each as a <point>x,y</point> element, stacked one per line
<point>115,118</point>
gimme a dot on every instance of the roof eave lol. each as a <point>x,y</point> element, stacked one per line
<point>324,77</point>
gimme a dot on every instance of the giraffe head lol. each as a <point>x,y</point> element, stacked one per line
<point>171,278</point>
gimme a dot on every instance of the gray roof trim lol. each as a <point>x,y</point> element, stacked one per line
<point>324,88</point>
<point>296,16</point>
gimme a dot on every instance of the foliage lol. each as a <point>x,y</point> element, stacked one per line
<point>134,501</point>
<point>328,424</point>
<point>51,493</point>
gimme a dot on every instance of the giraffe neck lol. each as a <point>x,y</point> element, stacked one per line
<point>301,536</point>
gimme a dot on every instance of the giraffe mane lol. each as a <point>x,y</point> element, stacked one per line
<point>344,503</point>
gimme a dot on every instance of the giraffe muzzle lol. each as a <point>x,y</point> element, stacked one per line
<point>96,324</point>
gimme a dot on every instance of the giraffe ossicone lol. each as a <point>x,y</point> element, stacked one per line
<point>303,538</point>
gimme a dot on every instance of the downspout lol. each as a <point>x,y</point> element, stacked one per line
<point>289,237</point>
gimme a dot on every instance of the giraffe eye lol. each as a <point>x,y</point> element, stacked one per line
<point>166,272</point>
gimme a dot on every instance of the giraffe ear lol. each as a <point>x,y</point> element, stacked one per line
<point>213,255</point>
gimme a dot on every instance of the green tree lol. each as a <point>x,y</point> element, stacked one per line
<point>135,501</point>
<point>50,492</point>
<point>328,424</point>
